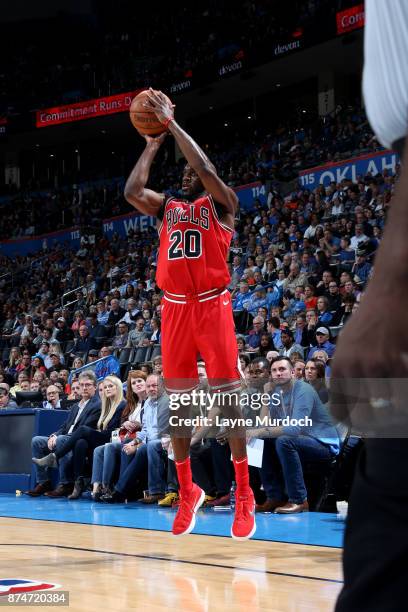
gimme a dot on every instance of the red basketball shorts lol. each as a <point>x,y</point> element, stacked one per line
<point>201,325</point>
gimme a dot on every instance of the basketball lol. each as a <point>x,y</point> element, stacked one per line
<point>143,120</point>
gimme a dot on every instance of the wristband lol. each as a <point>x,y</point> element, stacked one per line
<point>167,122</point>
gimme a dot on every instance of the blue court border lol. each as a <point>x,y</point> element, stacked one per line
<point>308,529</point>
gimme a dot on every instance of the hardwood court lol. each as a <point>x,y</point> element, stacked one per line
<point>114,568</point>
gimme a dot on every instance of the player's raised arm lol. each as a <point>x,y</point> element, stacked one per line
<point>145,200</point>
<point>198,160</point>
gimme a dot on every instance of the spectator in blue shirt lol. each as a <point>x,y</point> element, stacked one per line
<point>103,313</point>
<point>273,296</point>
<point>322,343</point>
<point>273,327</point>
<point>258,300</point>
<point>346,253</point>
<point>361,268</point>
<point>242,298</point>
<point>237,268</point>
<point>287,445</point>
<point>254,337</point>
<point>323,313</point>
<point>330,240</point>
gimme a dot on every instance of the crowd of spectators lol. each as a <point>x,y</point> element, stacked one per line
<point>276,157</point>
<point>318,231</point>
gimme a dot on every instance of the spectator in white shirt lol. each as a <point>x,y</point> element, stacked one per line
<point>358,237</point>
<point>133,312</point>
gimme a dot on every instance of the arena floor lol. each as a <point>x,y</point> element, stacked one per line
<point>123,556</point>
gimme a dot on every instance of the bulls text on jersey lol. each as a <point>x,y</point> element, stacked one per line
<point>200,217</point>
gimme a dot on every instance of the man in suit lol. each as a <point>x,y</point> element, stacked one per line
<point>85,412</point>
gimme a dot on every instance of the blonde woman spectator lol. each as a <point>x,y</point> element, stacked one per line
<point>107,457</point>
<point>77,363</point>
<point>14,361</point>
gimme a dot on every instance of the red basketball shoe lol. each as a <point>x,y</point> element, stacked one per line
<point>185,517</point>
<point>244,525</point>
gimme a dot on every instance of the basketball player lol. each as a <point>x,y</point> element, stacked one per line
<point>374,348</point>
<point>195,234</point>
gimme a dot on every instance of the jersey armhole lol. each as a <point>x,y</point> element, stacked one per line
<point>219,210</point>
<point>160,212</point>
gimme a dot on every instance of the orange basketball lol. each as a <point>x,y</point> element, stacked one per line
<point>143,120</point>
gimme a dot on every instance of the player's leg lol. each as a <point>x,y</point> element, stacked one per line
<point>215,338</point>
<point>243,526</point>
<point>179,356</point>
<point>180,373</point>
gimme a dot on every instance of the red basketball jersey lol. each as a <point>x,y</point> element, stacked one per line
<point>194,245</point>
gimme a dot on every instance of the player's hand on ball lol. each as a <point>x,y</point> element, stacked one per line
<point>159,104</point>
